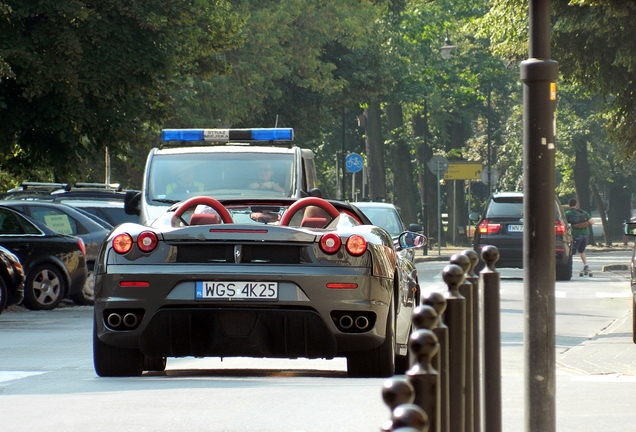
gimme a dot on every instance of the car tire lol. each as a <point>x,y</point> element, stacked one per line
<point>154,364</point>
<point>4,293</point>
<point>633,320</point>
<point>87,296</point>
<point>111,361</point>
<point>564,271</point>
<point>378,362</point>
<point>402,363</point>
<point>44,288</point>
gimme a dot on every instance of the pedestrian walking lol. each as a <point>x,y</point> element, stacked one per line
<point>581,222</point>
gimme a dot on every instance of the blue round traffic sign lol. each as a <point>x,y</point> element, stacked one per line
<point>354,162</point>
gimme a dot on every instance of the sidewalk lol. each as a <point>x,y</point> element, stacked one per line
<point>445,252</point>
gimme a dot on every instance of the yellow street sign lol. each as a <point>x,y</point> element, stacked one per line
<point>463,171</point>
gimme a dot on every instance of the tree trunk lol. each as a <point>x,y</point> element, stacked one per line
<point>401,166</point>
<point>601,211</point>
<point>426,179</point>
<point>620,209</point>
<point>582,173</point>
<point>375,155</point>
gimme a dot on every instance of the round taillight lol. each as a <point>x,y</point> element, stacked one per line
<point>147,241</point>
<point>122,243</point>
<point>330,243</point>
<point>356,245</point>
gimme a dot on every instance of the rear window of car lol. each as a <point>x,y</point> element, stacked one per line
<point>505,207</point>
<point>511,207</point>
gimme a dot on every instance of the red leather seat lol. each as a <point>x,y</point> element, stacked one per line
<point>313,222</point>
<point>204,219</point>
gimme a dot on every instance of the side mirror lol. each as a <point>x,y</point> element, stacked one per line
<point>474,216</point>
<point>132,203</point>
<point>409,239</point>
<point>315,192</point>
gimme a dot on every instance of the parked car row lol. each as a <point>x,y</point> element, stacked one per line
<point>54,264</point>
<point>52,233</point>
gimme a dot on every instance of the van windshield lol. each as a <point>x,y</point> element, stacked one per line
<point>220,175</point>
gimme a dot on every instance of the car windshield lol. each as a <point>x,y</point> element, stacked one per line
<point>385,218</point>
<point>220,175</point>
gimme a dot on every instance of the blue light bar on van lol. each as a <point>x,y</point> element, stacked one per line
<point>227,135</point>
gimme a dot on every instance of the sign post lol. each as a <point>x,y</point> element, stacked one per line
<point>354,164</point>
<point>438,166</point>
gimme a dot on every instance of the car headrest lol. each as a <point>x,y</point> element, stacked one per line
<point>313,222</point>
<point>204,219</point>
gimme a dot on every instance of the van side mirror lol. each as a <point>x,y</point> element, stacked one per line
<point>132,203</point>
<point>474,216</point>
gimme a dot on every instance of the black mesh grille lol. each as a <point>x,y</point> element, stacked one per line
<point>251,254</point>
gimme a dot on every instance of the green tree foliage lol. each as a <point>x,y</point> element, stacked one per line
<point>77,76</point>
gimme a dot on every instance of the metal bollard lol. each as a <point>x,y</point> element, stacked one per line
<point>423,377</point>
<point>490,286</point>
<point>396,392</point>
<point>425,317</point>
<point>477,342</point>
<point>466,290</point>
<point>409,417</point>
<point>455,319</point>
<point>440,361</point>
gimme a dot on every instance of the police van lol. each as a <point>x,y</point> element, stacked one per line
<point>223,164</point>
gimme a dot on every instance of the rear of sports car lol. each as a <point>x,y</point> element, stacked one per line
<point>242,290</point>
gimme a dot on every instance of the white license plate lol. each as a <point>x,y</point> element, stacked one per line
<point>515,228</point>
<point>236,290</point>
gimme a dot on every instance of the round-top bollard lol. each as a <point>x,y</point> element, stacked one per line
<point>490,286</point>
<point>426,317</point>
<point>437,301</point>
<point>409,416</point>
<point>396,392</point>
<point>467,290</point>
<point>474,260</point>
<point>473,278</point>
<point>423,377</point>
<point>455,319</point>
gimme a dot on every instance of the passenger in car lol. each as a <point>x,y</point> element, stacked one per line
<point>185,183</point>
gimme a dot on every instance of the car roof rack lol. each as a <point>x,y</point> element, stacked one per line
<point>39,186</point>
<point>110,187</point>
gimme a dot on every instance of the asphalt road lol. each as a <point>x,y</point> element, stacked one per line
<point>47,381</point>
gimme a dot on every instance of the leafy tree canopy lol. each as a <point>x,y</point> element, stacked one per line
<point>76,76</point>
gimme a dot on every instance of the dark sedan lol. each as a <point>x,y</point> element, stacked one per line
<point>502,225</point>
<point>68,220</point>
<point>54,264</point>
<point>11,279</point>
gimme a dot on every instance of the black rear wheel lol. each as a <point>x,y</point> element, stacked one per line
<point>111,361</point>
<point>378,362</point>
<point>3,295</point>
<point>154,364</point>
<point>564,271</point>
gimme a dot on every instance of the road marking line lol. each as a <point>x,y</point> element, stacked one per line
<point>605,378</point>
<point>15,375</point>
<point>613,295</point>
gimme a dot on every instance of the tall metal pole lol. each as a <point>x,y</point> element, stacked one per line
<point>439,212</point>
<point>489,133</point>
<point>539,75</point>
